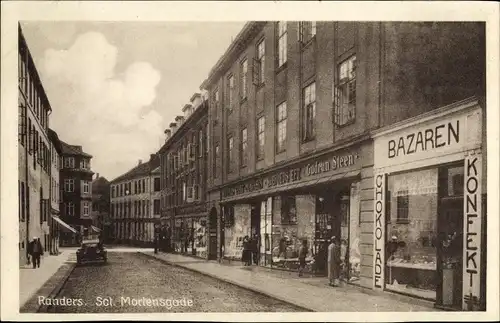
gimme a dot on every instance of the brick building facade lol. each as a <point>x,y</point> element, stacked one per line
<point>301,116</point>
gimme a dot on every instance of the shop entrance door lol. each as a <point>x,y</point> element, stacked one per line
<point>212,240</point>
<point>255,220</point>
<point>450,252</point>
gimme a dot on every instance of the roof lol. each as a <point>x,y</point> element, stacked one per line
<point>196,95</point>
<point>140,170</point>
<point>99,182</point>
<point>68,149</point>
<point>187,106</point>
<point>54,138</point>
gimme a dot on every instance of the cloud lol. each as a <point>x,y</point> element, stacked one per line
<point>102,109</point>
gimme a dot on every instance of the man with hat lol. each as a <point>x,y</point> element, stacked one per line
<point>35,250</point>
<point>333,261</point>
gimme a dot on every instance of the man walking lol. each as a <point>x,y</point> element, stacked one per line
<point>35,250</point>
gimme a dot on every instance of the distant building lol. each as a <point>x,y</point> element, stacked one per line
<point>101,207</point>
<point>56,226</point>
<point>184,177</point>
<point>135,203</point>
<point>34,154</point>
<point>76,183</point>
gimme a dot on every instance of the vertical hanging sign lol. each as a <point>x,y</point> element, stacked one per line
<point>378,234</point>
<point>472,233</point>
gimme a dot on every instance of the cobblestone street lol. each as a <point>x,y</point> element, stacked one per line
<point>129,279</point>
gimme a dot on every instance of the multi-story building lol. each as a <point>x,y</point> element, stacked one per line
<point>34,153</point>
<point>363,131</point>
<point>183,181</point>
<point>101,207</point>
<point>135,203</point>
<point>55,193</point>
<point>76,189</point>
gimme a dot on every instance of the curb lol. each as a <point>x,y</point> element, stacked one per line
<point>252,289</point>
<point>50,289</point>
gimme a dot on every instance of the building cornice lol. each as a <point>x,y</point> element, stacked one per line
<point>249,30</point>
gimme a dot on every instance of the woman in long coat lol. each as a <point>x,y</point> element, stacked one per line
<point>333,261</point>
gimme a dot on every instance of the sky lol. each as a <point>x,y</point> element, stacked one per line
<point>114,87</point>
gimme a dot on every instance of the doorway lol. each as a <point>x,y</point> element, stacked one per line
<point>212,232</point>
<point>450,237</point>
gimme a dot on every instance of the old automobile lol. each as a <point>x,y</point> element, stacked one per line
<point>91,251</point>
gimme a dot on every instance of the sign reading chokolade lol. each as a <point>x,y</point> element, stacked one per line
<point>292,175</point>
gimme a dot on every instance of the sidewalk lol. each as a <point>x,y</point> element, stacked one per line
<point>31,280</point>
<point>311,293</point>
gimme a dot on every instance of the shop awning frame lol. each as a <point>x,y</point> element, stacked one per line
<point>64,224</point>
<point>301,185</point>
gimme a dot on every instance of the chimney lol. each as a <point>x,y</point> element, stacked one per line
<point>196,100</point>
<point>168,133</point>
<point>140,162</point>
<point>179,120</point>
<point>187,110</point>
<point>173,127</point>
<point>96,175</point>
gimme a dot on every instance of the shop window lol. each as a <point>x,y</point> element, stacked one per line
<point>228,216</point>
<point>402,207</point>
<point>288,210</point>
<point>411,253</point>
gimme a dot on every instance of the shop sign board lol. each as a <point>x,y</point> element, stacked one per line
<point>316,168</point>
<point>378,234</point>
<point>472,233</point>
<point>428,139</point>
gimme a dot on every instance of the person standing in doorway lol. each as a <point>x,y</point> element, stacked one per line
<point>255,249</point>
<point>35,250</point>
<point>246,256</point>
<point>333,261</point>
<point>302,257</point>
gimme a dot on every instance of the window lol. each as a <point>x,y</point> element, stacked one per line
<point>244,77</point>
<point>345,92</point>
<point>69,185</point>
<point>69,162</point>
<point>216,157</point>
<point>307,31</point>
<point>243,148</point>
<point>309,115</point>
<point>85,163</point>
<point>86,208</point>
<point>402,206</point>
<point>156,207</point>
<point>230,81</point>
<point>215,99</point>
<point>281,127</point>
<point>288,210</point>
<point>86,187</point>
<point>157,184</point>
<point>230,153</point>
<point>200,144</point>
<point>184,191</point>
<point>70,209</point>
<point>282,43</point>
<point>22,124</point>
<point>259,67</point>
<point>261,125</point>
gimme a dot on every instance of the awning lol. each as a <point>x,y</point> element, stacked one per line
<point>298,185</point>
<point>64,224</point>
<point>96,229</point>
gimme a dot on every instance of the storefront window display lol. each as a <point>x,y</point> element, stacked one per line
<point>293,222</point>
<point>411,235</point>
<point>200,237</point>
<point>236,227</point>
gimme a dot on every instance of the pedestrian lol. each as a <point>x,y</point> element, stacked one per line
<point>35,250</point>
<point>302,257</point>
<point>256,249</point>
<point>343,260</point>
<point>246,251</point>
<point>333,261</point>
